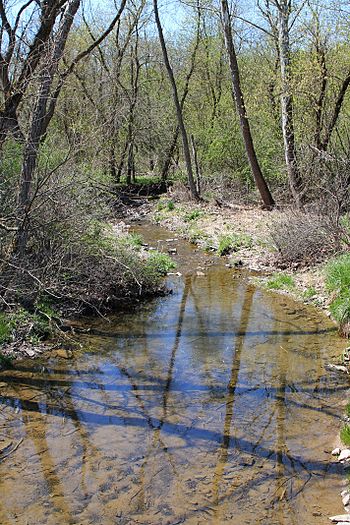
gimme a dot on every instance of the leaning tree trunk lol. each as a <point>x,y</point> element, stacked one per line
<point>294,177</point>
<point>240,105</point>
<point>181,124</point>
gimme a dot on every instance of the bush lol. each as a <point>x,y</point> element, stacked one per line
<point>5,328</point>
<point>232,243</point>
<point>73,255</point>
<point>160,263</point>
<point>303,238</point>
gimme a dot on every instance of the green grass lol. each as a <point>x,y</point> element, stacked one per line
<point>309,293</point>
<point>340,307</point>
<point>195,235</point>
<point>338,283</point>
<point>193,215</point>
<point>160,263</point>
<point>338,273</point>
<point>132,240</point>
<point>347,409</point>
<point>345,435</point>
<point>6,327</point>
<point>280,281</point>
<point>232,243</point>
<point>165,205</point>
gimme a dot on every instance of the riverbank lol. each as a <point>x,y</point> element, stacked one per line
<point>43,313</point>
<point>241,233</point>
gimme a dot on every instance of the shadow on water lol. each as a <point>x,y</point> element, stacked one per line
<point>209,406</point>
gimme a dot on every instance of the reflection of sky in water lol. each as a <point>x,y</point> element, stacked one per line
<point>188,410</point>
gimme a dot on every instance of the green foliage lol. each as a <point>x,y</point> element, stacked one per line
<point>309,293</point>
<point>280,281</point>
<point>160,263</point>
<point>166,205</point>
<point>6,361</point>
<point>147,179</point>
<point>5,328</point>
<point>338,282</point>
<point>232,243</point>
<point>345,435</point>
<point>340,307</point>
<point>132,240</point>
<point>347,409</point>
<point>99,235</point>
<point>338,274</point>
<point>21,324</point>
<point>195,235</point>
<point>193,215</point>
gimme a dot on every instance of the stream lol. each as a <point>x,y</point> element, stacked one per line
<point>210,405</point>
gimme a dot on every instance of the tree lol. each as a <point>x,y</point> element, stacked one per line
<point>179,113</point>
<point>241,109</point>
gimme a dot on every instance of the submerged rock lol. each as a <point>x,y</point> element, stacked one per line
<point>62,353</point>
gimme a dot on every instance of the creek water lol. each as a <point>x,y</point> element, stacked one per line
<point>210,405</point>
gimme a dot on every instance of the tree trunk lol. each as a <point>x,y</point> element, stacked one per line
<point>294,177</point>
<point>182,128</point>
<point>39,124</point>
<point>239,100</point>
<point>336,113</point>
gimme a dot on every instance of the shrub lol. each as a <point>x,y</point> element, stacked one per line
<point>132,240</point>
<point>160,263</point>
<point>167,205</point>
<point>302,238</point>
<point>280,281</point>
<point>232,243</point>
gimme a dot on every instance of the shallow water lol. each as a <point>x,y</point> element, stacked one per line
<point>210,405</point>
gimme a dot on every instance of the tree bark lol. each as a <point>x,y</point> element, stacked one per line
<point>39,125</point>
<point>294,176</point>
<point>240,105</point>
<point>181,124</point>
<point>336,113</point>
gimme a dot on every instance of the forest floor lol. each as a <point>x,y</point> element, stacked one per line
<point>245,231</point>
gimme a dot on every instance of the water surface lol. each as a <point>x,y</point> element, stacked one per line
<point>211,405</point>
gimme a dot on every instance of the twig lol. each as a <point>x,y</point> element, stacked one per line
<point>13,450</point>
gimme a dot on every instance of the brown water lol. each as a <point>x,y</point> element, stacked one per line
<point>211,405</point>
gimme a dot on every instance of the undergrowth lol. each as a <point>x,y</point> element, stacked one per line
<point>338,285</point>
<point>280,281</point>
<point>232,243</point>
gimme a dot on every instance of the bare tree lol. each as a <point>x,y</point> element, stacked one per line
<point>44,108</point>
<point>241,109</point>
<point>179,113</point>
<point>295,180</point>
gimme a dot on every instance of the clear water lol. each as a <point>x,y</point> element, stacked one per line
<point>211,405</point>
